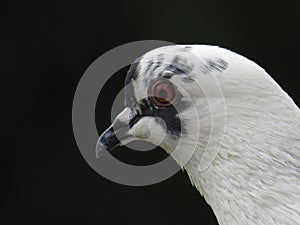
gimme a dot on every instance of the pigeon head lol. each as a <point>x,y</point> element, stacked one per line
<point>225,121</point>
<point>165,100</point>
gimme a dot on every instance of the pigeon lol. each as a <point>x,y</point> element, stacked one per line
<point>235,131</point>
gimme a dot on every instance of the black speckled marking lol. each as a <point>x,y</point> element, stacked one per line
<point>187,78</point>
<point>218,65</point>
<point>169,114</point>
<point>177,59</point>
<point>182,63</point>
<point>179,65</point>
<point>132,72</point>
<point>156,65</point>
<point>174,69</point>
<point>131,76</point>
<point>149,66</point>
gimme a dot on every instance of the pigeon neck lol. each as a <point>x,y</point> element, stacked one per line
<point>255,177</point>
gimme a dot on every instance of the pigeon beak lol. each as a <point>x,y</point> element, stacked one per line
<point>117,134</point>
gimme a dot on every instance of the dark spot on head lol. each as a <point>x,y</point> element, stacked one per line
<point>131,76</point>
<point>217,64</point>
<point>177,59</point>
<point>174,69</point>
<point>187,78</point>
<point>156,65</point>
<point>182,64</point>
<point>149,66</point>
<point>132,72</point>
<point>178,66</point>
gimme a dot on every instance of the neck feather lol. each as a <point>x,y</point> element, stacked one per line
<point>255,177</point>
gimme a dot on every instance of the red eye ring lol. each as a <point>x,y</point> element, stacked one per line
<point>162,92</point>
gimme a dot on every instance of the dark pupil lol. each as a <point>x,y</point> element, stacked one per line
<point>163,94</point>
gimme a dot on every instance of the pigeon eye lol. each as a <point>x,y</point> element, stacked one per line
<point>162,92</point>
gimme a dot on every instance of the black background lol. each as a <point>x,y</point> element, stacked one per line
<point>47,46</point>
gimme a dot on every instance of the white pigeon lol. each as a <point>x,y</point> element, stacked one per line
<point>246,161</point>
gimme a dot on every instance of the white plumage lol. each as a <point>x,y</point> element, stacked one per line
<point>254,177</point>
